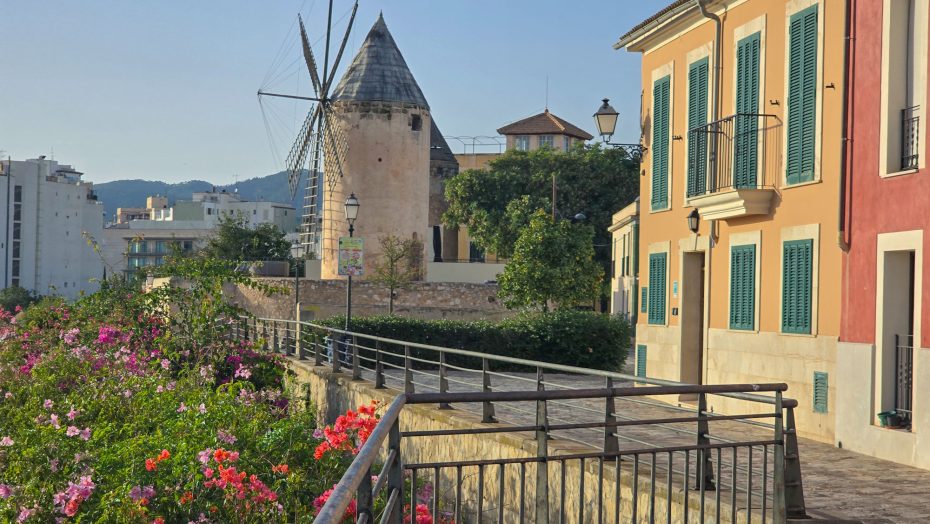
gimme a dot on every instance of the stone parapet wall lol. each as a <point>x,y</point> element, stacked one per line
<point>326,298</point>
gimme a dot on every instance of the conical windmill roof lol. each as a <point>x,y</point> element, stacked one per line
<point>379,73</point>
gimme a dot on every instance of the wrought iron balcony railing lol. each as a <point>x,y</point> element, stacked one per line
<point>910,137</point>
<point>741,151</point>
<point>904,377</point>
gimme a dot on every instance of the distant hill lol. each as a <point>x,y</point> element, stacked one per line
<point>132,193</point>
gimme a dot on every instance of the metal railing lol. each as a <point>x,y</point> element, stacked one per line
<point>910,137</point>
<point>741,151</point>
<point>904,378</point>
<point>657,443</point>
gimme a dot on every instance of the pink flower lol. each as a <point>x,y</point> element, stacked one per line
<point>6,442</point>
<point>202,409</point>
<point>243,372</point>
<point>8,395</point>
<point>53,420</point>
<point>204,456</point>
<point>5,491</point>
<point>225,436</point>
<point>25,513</point>
<point>72,431</point>
<point>182,409</point>
<point>85,434</point>
<point>73,414</point>
<point>107,335</point>
<point>159,389</point>
<point>165,363</point>
<point>171,385</point>
<point>48,404</point>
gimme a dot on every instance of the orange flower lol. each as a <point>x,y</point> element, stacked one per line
<point>280,468</point>
<point>143,501</point>
<point>164,455</point>
<point>187,497</point>
<point>150,465</point>
<point>220,455</point>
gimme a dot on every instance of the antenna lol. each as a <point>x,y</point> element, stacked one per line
<point>547,91</point>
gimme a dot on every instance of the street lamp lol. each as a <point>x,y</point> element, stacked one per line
<point>694,218</point>
<point>351,209</point>
<point>606,120</point>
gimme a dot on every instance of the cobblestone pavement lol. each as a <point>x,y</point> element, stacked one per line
<point>838,484</point>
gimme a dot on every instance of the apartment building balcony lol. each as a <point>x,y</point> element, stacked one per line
<point>910,137</point>
<point>733,164</point>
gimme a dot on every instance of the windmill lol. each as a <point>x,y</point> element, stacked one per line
<point>320,137</point>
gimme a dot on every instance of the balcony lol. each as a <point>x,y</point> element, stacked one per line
<point>733,164</point>
<point>910,138</point>
<point>904,379</point>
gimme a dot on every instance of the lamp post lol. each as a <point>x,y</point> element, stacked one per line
<point>351,209</point>
<point>606,119</point>
<point>694,219</point>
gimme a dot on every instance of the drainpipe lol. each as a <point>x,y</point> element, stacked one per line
<point>715,116</point>
<point>849,54</point>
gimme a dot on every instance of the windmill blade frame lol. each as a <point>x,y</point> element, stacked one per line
<point>310,60</point>
<point>298,154</point>
<point>336,146</point>
<point>342,48</point>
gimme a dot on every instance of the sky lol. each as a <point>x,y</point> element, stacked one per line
<point>166,90</point>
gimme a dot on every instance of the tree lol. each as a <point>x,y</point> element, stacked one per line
<point>398,265</point>
<point>496,203</point>
<point>234,239</point>
<point>552,264</point>
<point>16,296</point>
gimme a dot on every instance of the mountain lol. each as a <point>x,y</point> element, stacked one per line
<point>132,193</point>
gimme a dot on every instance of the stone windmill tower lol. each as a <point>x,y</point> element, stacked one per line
<point>386,123</point>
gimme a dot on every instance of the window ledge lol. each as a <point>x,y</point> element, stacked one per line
<point>800,335</point>
<point>899,173</point>
<point>786,185</point>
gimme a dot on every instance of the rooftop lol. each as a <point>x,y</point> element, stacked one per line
<point>379,72</point>
<point>544,123</point>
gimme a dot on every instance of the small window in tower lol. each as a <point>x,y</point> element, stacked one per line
<point>416,123</point>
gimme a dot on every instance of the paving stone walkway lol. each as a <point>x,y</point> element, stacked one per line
<point>839,485</point>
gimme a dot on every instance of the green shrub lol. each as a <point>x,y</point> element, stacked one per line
<point>13,297</point>
<point>567,337</point>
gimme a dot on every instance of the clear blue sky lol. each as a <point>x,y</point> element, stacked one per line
<point>166,90</point>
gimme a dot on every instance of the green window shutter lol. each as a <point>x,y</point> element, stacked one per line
<point>643,299</point>
<point>660,136</point>
<point>742,287</point>
<point>641,361</point>
<point>656,309</point>
<point>745,156</point>
<point>802,95</point>
<point>697,118</point>
<point>797,283</point>
<point>821,392</point>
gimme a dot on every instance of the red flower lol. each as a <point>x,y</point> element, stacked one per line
<point>164,455</point>
<point>187,497</point>
<point>150,465</point>
<point>158,520</point>
<point>280,468</point>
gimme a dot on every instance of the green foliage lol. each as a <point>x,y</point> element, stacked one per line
<point>552,263</point>
<point>398,266</point>
<point>235,239</point>
<point>568,337</point>
<point>591,180</point>
<point>13,297</point>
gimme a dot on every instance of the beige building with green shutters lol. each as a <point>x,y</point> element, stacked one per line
<point>742,118</point>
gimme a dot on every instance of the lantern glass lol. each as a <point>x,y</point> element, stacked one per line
<point>693,220</point>
<point>352,206</point>
<point>606,119</point>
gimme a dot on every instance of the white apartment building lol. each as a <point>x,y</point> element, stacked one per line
<point>146,240</point>
<point>45,211</point>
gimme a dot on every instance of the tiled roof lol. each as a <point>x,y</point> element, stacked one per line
<point>544,123</point>
<point>671,7</point>
<point>379,72</point>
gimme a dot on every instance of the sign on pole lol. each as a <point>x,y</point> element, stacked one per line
<point>351,260</point>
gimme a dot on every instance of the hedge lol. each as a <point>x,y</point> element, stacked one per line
<point>568,337</point>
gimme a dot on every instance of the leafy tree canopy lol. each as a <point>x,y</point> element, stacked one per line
<point>552,263</point>
<point>495,203</point>
<point>235,239</point>
<point>16,296</point>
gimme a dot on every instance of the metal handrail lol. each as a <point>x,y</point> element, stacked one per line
<point>335,507</point>
<point>749,397</point>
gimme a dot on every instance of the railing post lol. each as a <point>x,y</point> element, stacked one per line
<point>408,371</point>
<point>443,379</point>
<point>363,498</point>
<point>318,352</point>
<point>704,471</point>
<point>336,343</point>
<point>379,367</point>
<point>265,335</point>
<point>487,407</point>
<point>356,365</point>
<point>611,440</point>
<point>298,339</point>
<point>286,347</point>
<point>396,474</point>
<point>779,510</point>
<point>245,329</point>
<point>542,452</point>
<point>794,486</point>
<point>275,348</point>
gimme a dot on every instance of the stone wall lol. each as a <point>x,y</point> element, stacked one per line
<point>334,393</point>
<point>326,298</point>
